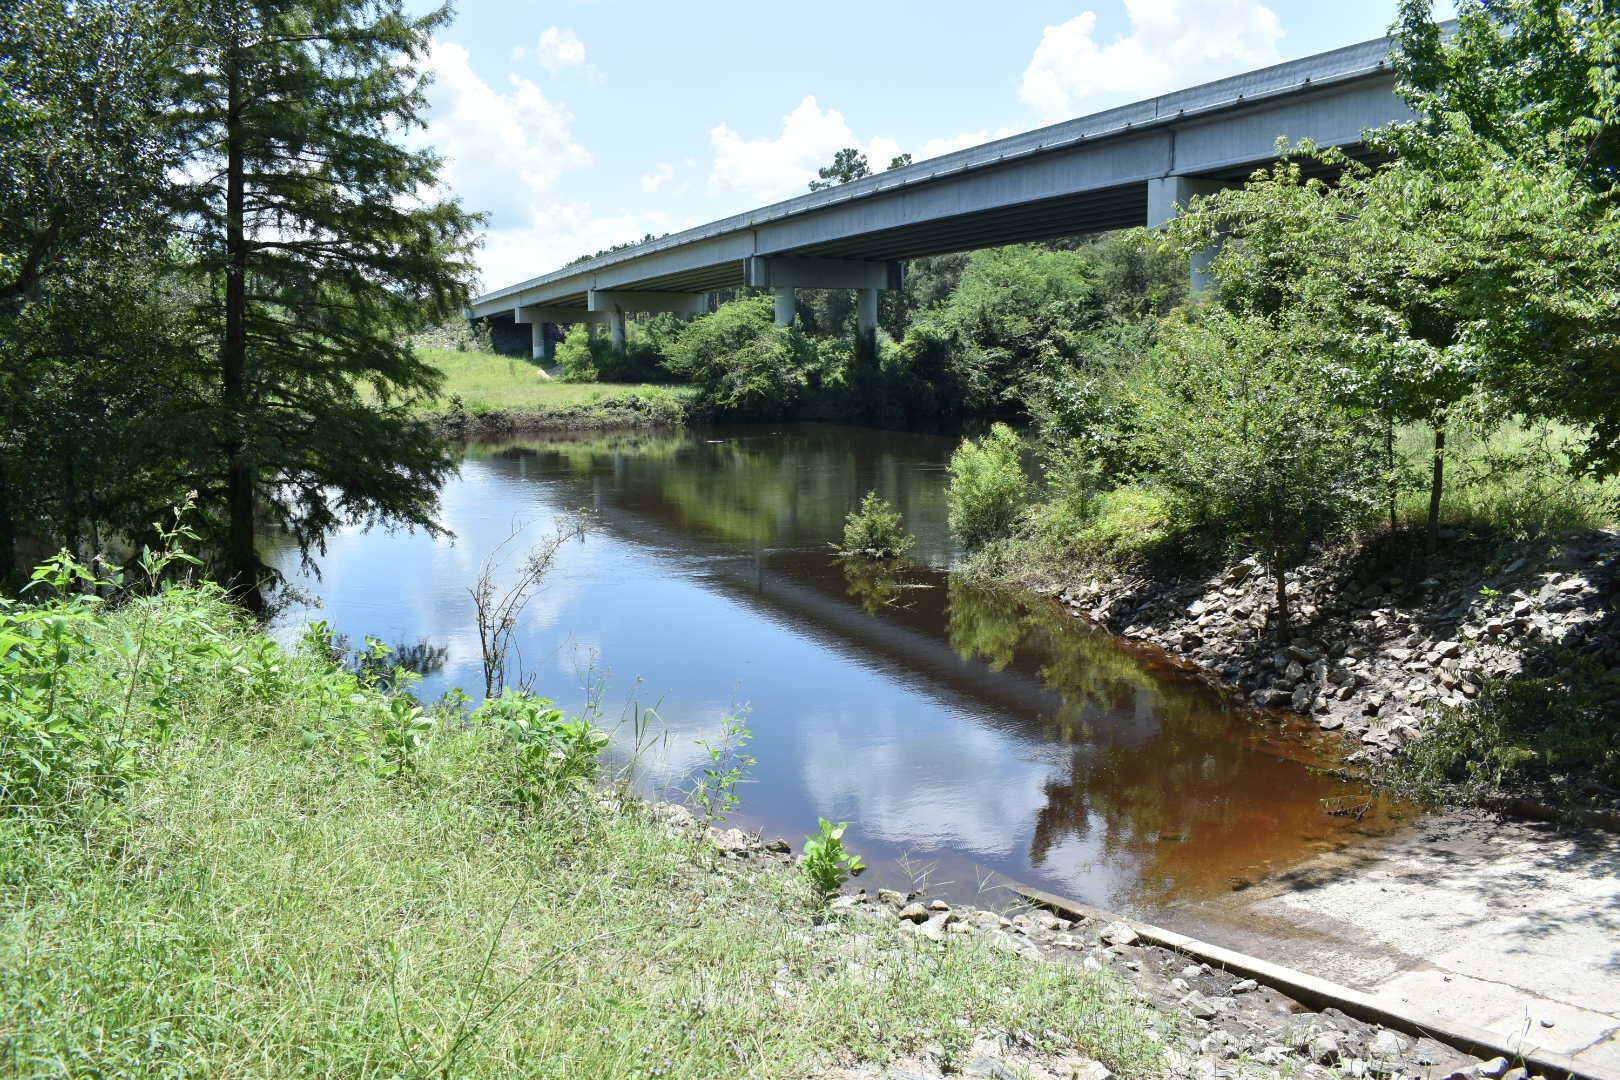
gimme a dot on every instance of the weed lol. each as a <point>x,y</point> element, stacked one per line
<point>714,792</point>
<point>827,863</point>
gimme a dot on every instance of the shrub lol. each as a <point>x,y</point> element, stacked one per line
<point>1539,738</point>
<point>1241,424</point>
<point>743,362</point>
<point>827,862</point>
<point>875,531</point>
<point>576,355</point>
<point>551,753</point>
<point>988,487</point>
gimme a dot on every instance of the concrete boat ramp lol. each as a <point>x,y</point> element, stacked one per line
<point>1505,926</point>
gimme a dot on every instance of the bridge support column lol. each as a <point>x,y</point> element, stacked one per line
<point>786,308</point>
<point>784,273</point>
<point>616,328</point>
<point>544,345</point>
<point>1168,196</point>
<point>866,321</point>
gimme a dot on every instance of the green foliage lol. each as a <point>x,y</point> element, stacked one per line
<point>588,357</point>
<point>1535,79</point>
<point>1118,528</point>
<point>714,792</point>
<point>847,164</point>
<point>988,488</point>
<point>743,363</point>
<point>1241,426</point>
<point>1543,739</point>
<point>577,354</point>
<point>551,753</point>
<point>827,863</point>
<point>875,530</point>
<point>293,112</point>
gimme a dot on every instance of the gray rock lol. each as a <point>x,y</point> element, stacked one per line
<point>1324,1048</point>
<point>1199,1007</point>
<point>914,913</point>
<point>1386,1046</point>
<point>1080,1068</point>
<point>889,896</point>
<point>1493,1069</point>
<point>1245,986</point>
<point>1119,933</point>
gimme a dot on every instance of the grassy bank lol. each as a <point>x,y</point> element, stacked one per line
<point>488,393</point>
<point>245,861</point>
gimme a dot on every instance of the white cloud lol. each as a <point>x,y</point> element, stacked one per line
<point>558,49</point>
<point>554,233</point>
<point>774,168</point>
<point>663,174</point>
<point>503,149</point>
<point>782,166</point>
<point>1171,44</point>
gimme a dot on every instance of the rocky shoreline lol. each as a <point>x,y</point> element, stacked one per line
<point>1375,652</point>
<point>1221,1026</point>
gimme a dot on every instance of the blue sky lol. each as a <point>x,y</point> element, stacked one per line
<point>582,123</point>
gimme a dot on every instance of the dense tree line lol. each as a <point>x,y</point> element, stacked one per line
<point>215,246</point>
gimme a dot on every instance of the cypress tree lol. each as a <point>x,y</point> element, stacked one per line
<point>321,244</point>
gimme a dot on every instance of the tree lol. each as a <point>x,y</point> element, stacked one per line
<point>899,161</point>
<point>1464,282</point>
<point>1242,425</point>
<point>1539,79</point>
<point>89,344</point>
<point>319,253</point>
<point>848,164</point>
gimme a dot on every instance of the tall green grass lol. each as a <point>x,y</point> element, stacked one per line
<point>295,874</point>
<point>1513,479</point>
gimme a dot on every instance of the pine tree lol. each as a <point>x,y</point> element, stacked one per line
<point>322,247</point>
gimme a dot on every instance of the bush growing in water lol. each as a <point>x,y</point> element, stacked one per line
<point>875,531</point>
<point>988,488</point>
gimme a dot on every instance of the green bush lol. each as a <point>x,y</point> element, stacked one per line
<point>744,363</point>
<point>875,530</point>
<point>587,357</point>
<point>577,355</point>
<point>988,488</point>
<point>1541,739</point>
<point>1121,528</point>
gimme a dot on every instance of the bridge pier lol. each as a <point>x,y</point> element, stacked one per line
<point>615,304</point>
<point>785,273</point>
<point>1168,196</point>
<point>787,308</point>
<point>542,345</point>
<point>866,321</point>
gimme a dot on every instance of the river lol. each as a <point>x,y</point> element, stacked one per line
<point>968,736</point>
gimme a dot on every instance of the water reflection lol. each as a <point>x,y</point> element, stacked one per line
<point>961,726</point>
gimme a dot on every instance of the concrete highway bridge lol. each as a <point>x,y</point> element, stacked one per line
<point>1130,166</point>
